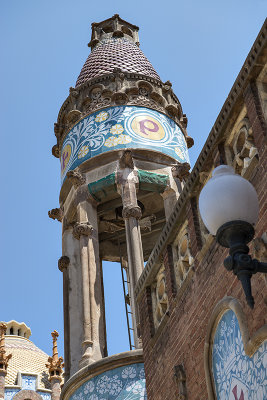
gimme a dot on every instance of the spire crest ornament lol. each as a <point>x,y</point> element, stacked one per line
<point>4,359</point>
<point>55,363</point>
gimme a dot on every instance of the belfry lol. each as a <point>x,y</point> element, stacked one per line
<point>122,144</point>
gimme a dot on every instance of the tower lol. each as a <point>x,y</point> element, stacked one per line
<point>122,144</point>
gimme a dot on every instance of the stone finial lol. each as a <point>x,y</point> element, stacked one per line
<point>55,363</point>
<point>4,359</point>
<point>82,228</point>
<point>56,213</point>
<point>63,263</point>
<point>181,171</point>
<point>76,178</point>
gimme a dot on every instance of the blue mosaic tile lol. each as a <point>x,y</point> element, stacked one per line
<point>237,376</point>
<point>123,383</point>
<point>28,382</point>
<point>122,127</point>
<point>10,393</point>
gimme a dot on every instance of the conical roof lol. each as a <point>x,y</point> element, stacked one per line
<point>116,53</point>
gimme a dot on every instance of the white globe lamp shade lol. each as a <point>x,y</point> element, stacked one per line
<point>227,197</point>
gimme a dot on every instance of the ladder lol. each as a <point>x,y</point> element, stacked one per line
<point>127,299</point>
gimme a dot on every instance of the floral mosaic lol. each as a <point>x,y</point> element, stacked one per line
<point>123,383</point>
<point>10,393</point>
<point>122,127</point>
<point>237,376</point>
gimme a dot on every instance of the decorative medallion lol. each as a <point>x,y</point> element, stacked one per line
<point>237,376</point>
<point>118,128</point>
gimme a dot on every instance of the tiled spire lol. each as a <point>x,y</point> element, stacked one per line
<point>114,44</point>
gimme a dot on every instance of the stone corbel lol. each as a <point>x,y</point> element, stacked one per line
<point>76,178</point>
<point>181,171</point>
<point>55,151</point>
<point>56,213</point>
<point>82,228</point>
<point>126,160</point>
<point>63,263</point>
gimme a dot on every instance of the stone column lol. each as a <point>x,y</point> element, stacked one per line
<point>93,343</point>
<point>4,359</point>
<point>73,306</point>
<point>127,180</point>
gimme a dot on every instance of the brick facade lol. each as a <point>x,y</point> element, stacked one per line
<point>180,337</point>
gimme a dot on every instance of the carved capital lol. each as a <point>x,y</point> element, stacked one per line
<point>131,211</point>
<point>56,213</point>
<point>76,178</point>
<point>189,141</point>
<point>82,228</point>
<point>181,171</point>
<point>63,263</point>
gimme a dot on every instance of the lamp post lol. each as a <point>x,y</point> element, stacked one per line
<point>229,208</point>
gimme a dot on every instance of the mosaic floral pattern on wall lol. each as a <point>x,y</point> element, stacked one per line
<point>123,383</point>
<point>237,376</point>
<point>122,127</point>
<point>10,393</point>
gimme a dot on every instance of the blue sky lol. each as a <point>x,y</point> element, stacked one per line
<point>198,46</point>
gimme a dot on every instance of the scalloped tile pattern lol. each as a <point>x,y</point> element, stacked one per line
<point>116,54</point>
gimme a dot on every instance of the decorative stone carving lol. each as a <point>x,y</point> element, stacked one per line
<point>181,171</point>
<point>126,160</point>
<point>183,259</point>
<point>63,263</point>
<point>159,297</point>
<point>56,213</point>
<point>55,363</point>
<point>76,178</point>
<point>4,359</point>
<point>55,151</point>
<point>119,88</point>
<point>145,223</point>
<point>82,228</point>
<point>244,154</point>
<point>180,377</point>
<point>131,211</point>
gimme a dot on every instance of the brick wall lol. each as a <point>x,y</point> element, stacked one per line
<point>181,336</point>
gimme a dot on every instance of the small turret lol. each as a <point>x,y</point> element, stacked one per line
<point>55,365</point>
<point>4,359</point>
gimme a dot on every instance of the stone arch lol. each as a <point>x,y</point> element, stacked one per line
<point>250,344</point>
<point>27,395</point>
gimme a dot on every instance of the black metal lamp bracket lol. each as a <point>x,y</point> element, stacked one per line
<point>235,235</point>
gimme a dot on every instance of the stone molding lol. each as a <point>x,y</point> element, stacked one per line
<point>82,228</point>
<point>63,263</point>
<point>250,344</point>
<point>216,135</point>
<point>131,211</point>
<point>118,88</point>
<point>98,367</point>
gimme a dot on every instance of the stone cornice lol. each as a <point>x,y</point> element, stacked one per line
<point>250,70</point>
<point>118,88</point>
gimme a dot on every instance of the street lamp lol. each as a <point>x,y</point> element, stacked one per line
<point>229,208</point>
